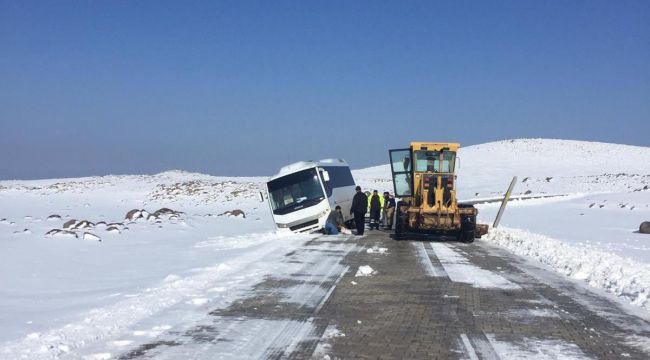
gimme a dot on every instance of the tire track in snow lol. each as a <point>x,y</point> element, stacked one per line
<point>275,321</point>
<point>429,261</point>
<point>460,269</point>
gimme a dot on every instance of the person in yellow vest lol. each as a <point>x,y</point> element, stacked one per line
<point>369,195</point>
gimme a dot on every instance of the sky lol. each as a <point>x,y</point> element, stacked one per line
<point>245,87</point>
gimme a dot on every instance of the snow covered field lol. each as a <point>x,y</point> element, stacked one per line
<point>67,290</point>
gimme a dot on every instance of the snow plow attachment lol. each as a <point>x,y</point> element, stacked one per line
<point>481,229</point>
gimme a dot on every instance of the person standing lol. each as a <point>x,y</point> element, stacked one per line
<point>389,210</point>
<point>375,210</point>
<point>358,209</point>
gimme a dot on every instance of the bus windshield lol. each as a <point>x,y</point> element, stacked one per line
<point>295,191</point>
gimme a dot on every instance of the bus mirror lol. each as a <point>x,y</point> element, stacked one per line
<point>326,176</point>
<point>260,196</point>
<point>457,163</point>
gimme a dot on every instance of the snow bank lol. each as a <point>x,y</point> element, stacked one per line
<point>624,277</point>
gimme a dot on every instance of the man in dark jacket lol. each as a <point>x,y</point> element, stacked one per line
<point>358,209</point>
<point>375,210</point>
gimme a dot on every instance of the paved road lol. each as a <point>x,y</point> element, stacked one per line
<point>422,300</point>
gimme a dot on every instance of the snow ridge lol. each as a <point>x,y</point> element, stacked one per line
<point>623,277</point>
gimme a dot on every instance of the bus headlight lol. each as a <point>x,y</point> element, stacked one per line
<point>282,226</point>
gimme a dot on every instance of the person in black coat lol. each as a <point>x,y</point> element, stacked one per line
<point>358,209</point>
<point>375,210</point>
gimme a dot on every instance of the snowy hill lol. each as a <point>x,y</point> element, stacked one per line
<point>47,281</point>
<point>543,166</point>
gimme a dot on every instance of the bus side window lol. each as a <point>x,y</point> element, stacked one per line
<point>327,184</point>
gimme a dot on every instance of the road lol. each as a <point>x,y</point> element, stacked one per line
<point>422,300</point>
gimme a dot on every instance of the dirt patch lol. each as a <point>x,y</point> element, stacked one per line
<point>143,349</point>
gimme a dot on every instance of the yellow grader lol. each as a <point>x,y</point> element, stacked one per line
<point>424,178</point>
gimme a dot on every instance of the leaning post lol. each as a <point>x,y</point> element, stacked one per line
<point>506,197</point>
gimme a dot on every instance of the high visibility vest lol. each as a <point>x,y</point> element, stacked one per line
<point>381,202</point>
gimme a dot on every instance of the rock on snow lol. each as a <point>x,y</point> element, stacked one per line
<point>91,236</point>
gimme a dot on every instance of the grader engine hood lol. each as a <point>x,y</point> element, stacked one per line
<point>438,191</point>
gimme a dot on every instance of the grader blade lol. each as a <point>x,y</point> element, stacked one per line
<point>481,229</point>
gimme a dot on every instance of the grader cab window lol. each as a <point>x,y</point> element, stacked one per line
<point>400,164</point>
<point>435,161</point>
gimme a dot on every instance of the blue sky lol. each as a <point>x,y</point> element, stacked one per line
<point>242,87</point>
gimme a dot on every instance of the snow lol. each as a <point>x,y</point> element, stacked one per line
<point>459,269</point>
<point>246,338</point>
<point>424,260</point>
<point>364,270</point>
<point>91,237</point>
<point>99,356</point>
<point>324,347</point>
<point>122,343</point>
<point>199,301</point>
<point>624,277</point>
<point>377,250</point>
<point>611,228</point>
<point>113,319</point>
<point>70,293</point>
<point>74,292</point>
<point>573,166</point>
<point>640,342</point>
<point>533,348</point>
<point>528,313</point>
